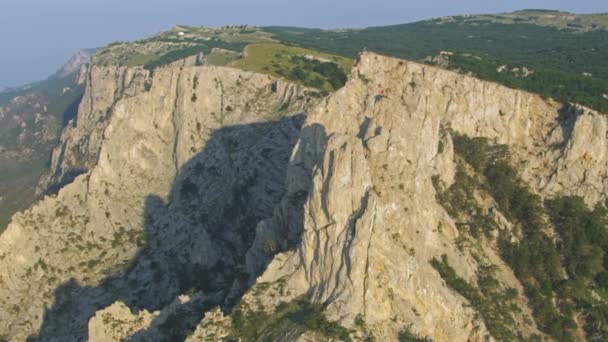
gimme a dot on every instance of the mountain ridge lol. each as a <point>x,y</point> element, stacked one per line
<point>311,167</point>
<point>31,118</point>
<point>400,201</point>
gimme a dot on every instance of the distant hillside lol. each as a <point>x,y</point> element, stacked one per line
<point>214,184</point>
<point>565,62</point>
<point>562,20</point>
<point>241,46</point>
<point>73,64</point>
<point>555,54</point>
<point>31,120</point>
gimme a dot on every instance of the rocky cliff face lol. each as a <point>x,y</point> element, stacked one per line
<point>78,59</point>
<point>81,139</point>
<point>194,181</point>
<point>175,177</point>
<point>372,221</point>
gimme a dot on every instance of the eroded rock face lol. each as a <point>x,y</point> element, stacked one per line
<point>195,178</point>
<point>371,220</point>
<point>176,178</point>
<point>81,140</point>
<point>558,149</point>
<point>117,322</point>
<point>214,327</point>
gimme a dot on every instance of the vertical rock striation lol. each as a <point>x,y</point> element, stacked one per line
<point>190,179</point>
<point>371,220</point>
<point>174,179</point>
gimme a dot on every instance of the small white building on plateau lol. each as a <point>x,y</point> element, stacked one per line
<point>181,34</point>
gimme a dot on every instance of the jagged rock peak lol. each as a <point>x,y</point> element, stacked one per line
<point>200,179</point>
<point>75,62</point>
<point>372,222</point>
<point>160,173</point>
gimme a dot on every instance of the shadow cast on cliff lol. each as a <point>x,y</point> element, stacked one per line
<point>566,118</point>
<point>196,242</point>
<point>69,117</point>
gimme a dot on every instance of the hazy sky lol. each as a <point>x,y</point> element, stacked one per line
<point>37,36</point>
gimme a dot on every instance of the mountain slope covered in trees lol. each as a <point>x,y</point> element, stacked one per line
<point>564,63</point>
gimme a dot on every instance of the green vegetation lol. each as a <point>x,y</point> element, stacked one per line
<point>557,19</point>
<point>536,260</point>
<point>565,56</point>
<point>289,319</point>
<point>229,34</point>
<point>17,185</point>
<point>221,57</point>
<point>49,93</point>
<point>494,304</point>
<point>29,148</point>
<point>175,55</point>
<point>159,51</point>
<point>406,336</point>
<point>562,60</point>
<point>583,244</point>
<point>329,71</point>
<point>311,68</point>
<point>459,202</point>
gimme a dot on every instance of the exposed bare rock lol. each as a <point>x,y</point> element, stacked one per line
<point>177,178</point>
<point>371,220</point>
<point>194,181</point>
<point>117,322</point>
<point>214,327</point>
<point>81,139</point>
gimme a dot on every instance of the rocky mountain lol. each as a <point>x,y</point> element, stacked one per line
<point>31,120</point>
<point>563,53</point>
<point>73,64</point>
<point>255,196</point>
<point>230,144</point>
<point>190,196</point>
<point>549,18</point>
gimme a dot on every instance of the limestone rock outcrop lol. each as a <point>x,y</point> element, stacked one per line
<point>117,322</point>
<point>208,181</point>
<point>214,327</point>
<point>371,220</point>
<point>81,140</point>
<point>175,179</point>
